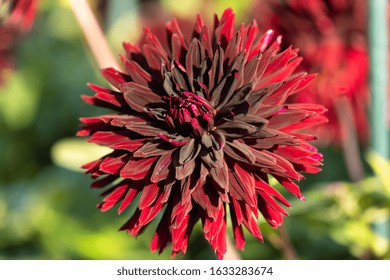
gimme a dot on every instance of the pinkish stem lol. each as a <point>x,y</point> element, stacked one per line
<point>349,139</point>
<point>231,251</point>
<point>93,34</point>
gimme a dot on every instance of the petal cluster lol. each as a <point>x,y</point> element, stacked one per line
<point>198,129</point>
<point>332,36</point>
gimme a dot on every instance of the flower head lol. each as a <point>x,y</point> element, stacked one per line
<point>200,126</point>
<point>331,36</point>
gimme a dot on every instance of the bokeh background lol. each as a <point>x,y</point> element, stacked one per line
<point>48,210</point>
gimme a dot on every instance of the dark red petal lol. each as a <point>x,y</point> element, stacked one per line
<point>306,123</point>
<point>280,61</point>
<point>253,228</point>
<point>251,32</point>
<point>242,185</point>
<point>182,233</point>
<point>113,163</point>
<point>224,28</point>
<point>153,57</point>
<point>285,165</point>
<point>149,195</point>
<point>264,188</point>
<point>288,117</point>
<point>290,186</point>
<point>305,81</point>
<point>150,212</point>
<point>155,47</point>
<point>299,155</point>
<point>115,77</point>
<point>162,236</point>
<point>238,233</point>
<point>261,44</point>
<point>162,167</point>
<point>138,96</point>
<point>137,168</point>
<point>90,166</point>
<point>133,123</point>
<point>239,152</point>
<point>104,181</point>
<point>272,216</point>
<point>237,129</point>
<point>136,72</point>
<point>215,232</point>
<point>207,198</point>
<point>112,100</point>
<point>220,175</point>
<point>116,140</point>
<point>185,169</point>
<point>194,59</point>
<point>280,95</point>
<point>250,70</point>
<point>189,151</point>
<point>217,71</point>
<point>132,226</point>
<point>134,188</point>
<point>114,197</point>
<point>174,28</point>
<point>174,141</point>
<point>156,147</point>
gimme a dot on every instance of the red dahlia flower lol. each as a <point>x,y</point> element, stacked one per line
<point>199,127</point>
<point>332,36</point>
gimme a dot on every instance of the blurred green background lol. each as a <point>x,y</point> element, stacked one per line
<point>47,209</point>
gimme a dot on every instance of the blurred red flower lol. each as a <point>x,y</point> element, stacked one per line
<point>16,18</point>
<point>331,35</point>
<point>200,126</point>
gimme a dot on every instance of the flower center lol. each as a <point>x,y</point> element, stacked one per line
<point>190,114</point>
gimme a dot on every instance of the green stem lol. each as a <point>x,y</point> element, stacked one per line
<point>378,75</point>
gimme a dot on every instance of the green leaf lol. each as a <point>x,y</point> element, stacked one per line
<point>18,101</point>
<point>381,168</point>
<point>71,153</point>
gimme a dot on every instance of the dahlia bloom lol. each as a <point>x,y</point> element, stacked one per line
<point>199,126</point>
<point>332,36</point>
<point>15,19</point>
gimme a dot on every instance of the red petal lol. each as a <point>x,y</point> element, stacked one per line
<point>208,198</point>
<point>149,195</point>
<point>138,96</point>
<point>112,199</point>
<point>104,181</point>
<point>135,188</point>
<point>162,236</point>
<point>136,72</point>
<point>184,170</point>
<point>290,186</point>
<point>113,163</point>
<point>242,185</point>
<point>150,212</point>
<point>114,77</point>
<point>264,188</point>
<point>238,233</point>
<point>137,168</point>
<point>161,170</point>
<point>273,217</point>
<point>156,147</point>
